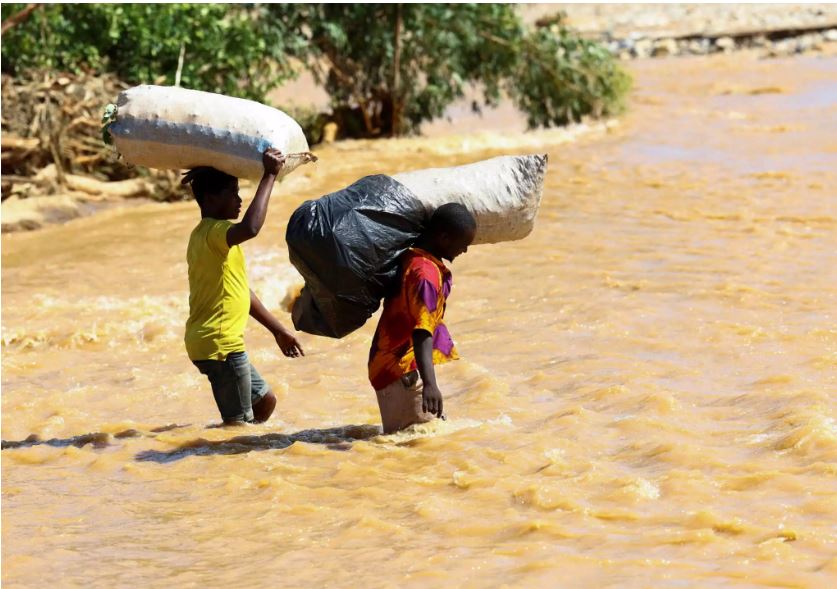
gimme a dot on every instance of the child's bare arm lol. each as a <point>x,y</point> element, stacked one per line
<point>431,396</point>
<point>289,345</point>
<point>253,219</point>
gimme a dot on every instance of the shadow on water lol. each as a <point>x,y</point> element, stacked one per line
<point>95,439</point>
<point>336,438</point>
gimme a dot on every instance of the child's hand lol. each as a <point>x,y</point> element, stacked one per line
<point>289,345</point>
<point>273,161</point>
<point>431,400</point>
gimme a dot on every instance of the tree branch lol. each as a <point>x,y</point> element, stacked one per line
<point>19,17</point>
<point>396,66</point>
<point>348,83</point>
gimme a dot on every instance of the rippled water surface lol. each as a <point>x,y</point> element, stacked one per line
<point>646,396</point>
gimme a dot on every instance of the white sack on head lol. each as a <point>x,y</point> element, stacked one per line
<point>175,128</point>
<point>503,193</point>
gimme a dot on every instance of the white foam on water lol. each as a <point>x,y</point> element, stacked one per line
<point>271,275</point>
<point>442,427</point>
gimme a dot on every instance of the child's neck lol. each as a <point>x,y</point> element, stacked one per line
<point>428,247</point>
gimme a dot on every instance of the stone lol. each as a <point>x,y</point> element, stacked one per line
<point>804,43</point>
<point>759,41</point>
<point>699,46</point>
<point>330,132</point>
<point>782,48</point>
<point>643,48</point>
<point>725,44</point>
<point>663,47</point>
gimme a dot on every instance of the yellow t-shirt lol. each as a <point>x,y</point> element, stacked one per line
<point>219,296</point>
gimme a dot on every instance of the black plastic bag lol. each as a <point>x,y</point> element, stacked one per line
<point>346,245</point>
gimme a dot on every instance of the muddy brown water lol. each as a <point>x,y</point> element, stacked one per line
<point>646,395</point>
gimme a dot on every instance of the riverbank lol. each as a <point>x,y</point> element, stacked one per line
<point>630,31</point>
<point>26,214</point>
<point>634,31</point>
<point>651,30</point>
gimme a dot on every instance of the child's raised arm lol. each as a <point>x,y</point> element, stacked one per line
<point>253,219</point>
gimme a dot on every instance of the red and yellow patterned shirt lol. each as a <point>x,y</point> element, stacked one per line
<point>419,304</point>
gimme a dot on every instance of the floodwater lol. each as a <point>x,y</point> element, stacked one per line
<point>646,396</point>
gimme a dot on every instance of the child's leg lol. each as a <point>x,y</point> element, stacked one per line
<point>231,386</point>
<point>400,404</point>
<point>263,399</point>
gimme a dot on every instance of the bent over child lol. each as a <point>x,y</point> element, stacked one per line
<point>411,336</point>
<point>220,298</point>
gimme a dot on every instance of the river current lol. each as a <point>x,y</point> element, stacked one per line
<point>646,395</point>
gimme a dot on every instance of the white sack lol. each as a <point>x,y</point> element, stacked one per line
<point>175,128</point>
<point>503,193</point>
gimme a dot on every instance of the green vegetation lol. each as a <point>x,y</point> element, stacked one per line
<point>562,78</point>
<point>386,67</point>
<point>439,49</point>
<point>223,50</point>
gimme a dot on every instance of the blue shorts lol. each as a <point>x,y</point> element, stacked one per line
<point>235,384</point>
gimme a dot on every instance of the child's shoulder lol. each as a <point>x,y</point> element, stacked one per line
<point>211,222</point>
<point>210,234</point>
<point>417,266</point>
<point>209,225</point>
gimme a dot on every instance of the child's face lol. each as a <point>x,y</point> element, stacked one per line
<point>452,245</point>
<point>226,203</point>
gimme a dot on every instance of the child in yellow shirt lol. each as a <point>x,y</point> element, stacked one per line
<point>220,298</point>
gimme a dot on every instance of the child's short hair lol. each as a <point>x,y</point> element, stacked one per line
<point>451,217</point>
<point>205,180</point>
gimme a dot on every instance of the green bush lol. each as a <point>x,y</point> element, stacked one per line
<point>562,78</point>
<point>224,47</point>
<point>555,77</point>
